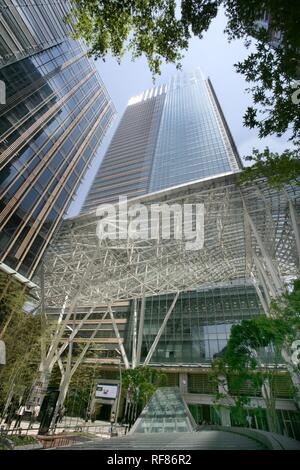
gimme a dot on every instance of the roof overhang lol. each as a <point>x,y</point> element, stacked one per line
<point>80,264</point>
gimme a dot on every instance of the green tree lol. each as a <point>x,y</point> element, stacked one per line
<point>241,364</point>
<point>244,371</point>
<point>140,384</point>
<point>273,66</point>
<point>80,391</point>
<point>21,332</point>
<point>140,27</point>
<point>277,169</point>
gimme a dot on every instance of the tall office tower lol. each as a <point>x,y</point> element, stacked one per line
<point>31,26</point>
<point>56,113</point>
<point>169,135</point>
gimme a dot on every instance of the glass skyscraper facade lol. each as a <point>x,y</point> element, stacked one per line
<point>29,26</point>
<point>193,142</point>
<point>56,113</point>
<point>169,135</point>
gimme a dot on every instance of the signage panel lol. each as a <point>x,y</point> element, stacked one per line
<point>106,390</point>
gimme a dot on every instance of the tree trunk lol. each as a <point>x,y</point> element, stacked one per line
<point>63,390</point>
<point>270,402</point>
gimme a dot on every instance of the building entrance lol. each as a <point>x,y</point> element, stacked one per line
<point>104,412</point>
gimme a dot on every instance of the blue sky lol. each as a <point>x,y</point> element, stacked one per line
<point>216,57</point>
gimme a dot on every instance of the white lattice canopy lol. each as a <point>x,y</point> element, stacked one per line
<point>244,228</point>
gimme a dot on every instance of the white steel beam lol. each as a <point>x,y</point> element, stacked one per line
<point>115,327</point>
<point>241,223</point>
<point>134,335</point>
<point>295,224</point>
<point>160,331</point>
<point>141,331</point>
<point>269,262</point>
<point>86,347</point>
<point>264,280</point>
<point>260,296</point>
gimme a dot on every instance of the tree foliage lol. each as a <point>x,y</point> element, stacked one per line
<point>156,29</point>
<point>22,338</point>
<point>242,370</point>
<point>272,68</point>
<point>252,335</point>
<point>80,390</point>
<point>141,27</point>
<point>278,330</point>
<point>11,299</point>
<point>242,364</point>
<point>141,383</point>
<point>278,169</point>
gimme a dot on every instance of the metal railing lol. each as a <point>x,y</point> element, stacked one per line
<point>105,430</point>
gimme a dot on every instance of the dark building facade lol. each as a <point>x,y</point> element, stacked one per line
<point>169,135</point>
<point>56,113</point>
<point>31,26</point>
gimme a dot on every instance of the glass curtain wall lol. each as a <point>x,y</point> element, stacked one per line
<point>56,114</point>
<point>199,326</point>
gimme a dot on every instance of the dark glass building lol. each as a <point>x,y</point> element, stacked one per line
<point>56,113</point>
<point>169,135</point>
<point>29,26</point>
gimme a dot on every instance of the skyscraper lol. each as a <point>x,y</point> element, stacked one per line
<point>169,135</point>
<point>30,27</point>
<point>166,310</point>
<point>56,113</point>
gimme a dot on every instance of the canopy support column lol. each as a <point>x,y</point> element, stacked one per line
<point>260,295</point>
<point>295,224</point>
<point>134,335</point>
<point>160,331</point>
<point>141,331</point>
<point>122,349</point>
<point>278,284</point>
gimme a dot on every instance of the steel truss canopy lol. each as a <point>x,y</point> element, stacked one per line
<point>248,232</point>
